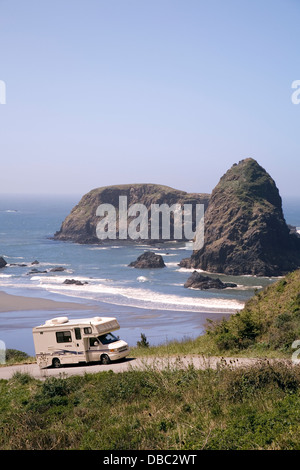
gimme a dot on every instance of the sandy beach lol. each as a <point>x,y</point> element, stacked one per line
<point>14,303</point>
<point>19,314</point>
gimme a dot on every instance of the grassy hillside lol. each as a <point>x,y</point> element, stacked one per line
<point>253,408</point>
<point>270,321</point>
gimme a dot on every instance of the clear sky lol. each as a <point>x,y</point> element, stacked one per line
<point>102,92</point>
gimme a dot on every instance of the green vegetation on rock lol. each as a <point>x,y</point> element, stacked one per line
<point>80,225</point>
<point>245,230</point>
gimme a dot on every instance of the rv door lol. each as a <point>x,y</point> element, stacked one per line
<point>94,349</point>
<point>80,346</point>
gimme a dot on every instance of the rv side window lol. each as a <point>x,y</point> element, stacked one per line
<point>94,342</point>
<point>63,336</point>
<point>77,333</point>
<point>87,330</point>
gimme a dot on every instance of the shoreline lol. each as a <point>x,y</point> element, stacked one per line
<point>19,303</point>
<point>20,313</point>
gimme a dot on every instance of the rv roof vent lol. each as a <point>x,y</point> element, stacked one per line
<point>57,321</point>
<point>97,318</point>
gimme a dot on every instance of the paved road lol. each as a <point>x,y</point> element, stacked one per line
<point>199,362</point>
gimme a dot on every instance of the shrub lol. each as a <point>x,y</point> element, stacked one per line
<point>143,343</point>
<point>239,384</point>
<point>13,355</point>
<point>22,378</point>
<point>54,392</point>
<point>238,332</point>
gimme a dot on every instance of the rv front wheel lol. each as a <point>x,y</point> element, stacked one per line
<point>104,359</point>
<point>56,362</point>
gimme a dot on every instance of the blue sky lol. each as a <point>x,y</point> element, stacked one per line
<point>102,92</point>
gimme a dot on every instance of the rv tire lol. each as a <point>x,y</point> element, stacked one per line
<point>56,362</point>
<point>104,359</point>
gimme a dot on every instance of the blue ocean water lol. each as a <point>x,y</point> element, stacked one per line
<point>150,301</point>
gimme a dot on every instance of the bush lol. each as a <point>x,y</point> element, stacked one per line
<point>54,392</point>
<point>55,387</point>
<point>239,384</point>
<point>22,378</point>
<point>13,355</point>
<point>238,332</point>
<point>143,343</point>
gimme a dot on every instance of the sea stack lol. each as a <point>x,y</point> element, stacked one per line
<point>245,230</point>
<point>80,226</point>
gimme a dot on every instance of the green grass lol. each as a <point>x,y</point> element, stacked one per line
<point>245,408</point>
<point>206,346</point>
<point>269,322</point>
<point>203,345</point>
<point>14,356</point>
<point>231,408</point>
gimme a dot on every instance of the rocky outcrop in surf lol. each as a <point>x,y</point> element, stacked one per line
<point>74,282</point>
<point>201,282</point>
<point>245,230</point>
<point>148,260</point>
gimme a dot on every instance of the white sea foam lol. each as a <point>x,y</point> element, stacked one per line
<point>167,254</point>
<point>44,263</point>
<point>142,279</point>
<point>109,247</point>
<point>117,293</point>
<point>96,248</point>
<point>189,270</point>
<point>171,264</point>
<point>102,290</point>
<point>243,287</point>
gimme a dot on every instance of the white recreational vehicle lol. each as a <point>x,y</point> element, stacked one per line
<point>63,341</point>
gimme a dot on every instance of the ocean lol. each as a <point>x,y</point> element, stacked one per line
<point>153,302</point>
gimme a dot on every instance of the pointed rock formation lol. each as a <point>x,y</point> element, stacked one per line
<point>245,230</point>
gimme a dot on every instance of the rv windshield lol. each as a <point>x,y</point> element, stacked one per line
<point>108,338</point>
